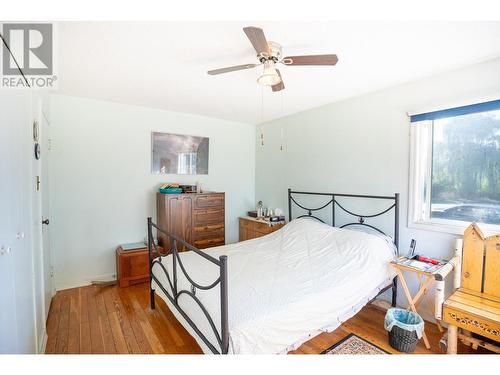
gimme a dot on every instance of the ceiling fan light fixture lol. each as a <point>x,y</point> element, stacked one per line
<point>269,76</point>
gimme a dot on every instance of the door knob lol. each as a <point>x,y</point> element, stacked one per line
<point>46,221</point>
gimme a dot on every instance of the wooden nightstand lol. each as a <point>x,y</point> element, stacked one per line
<point>251,227</point>
<point>132,266</point>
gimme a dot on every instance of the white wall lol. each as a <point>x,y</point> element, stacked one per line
<point>102,188</point>
<point>361,145</point>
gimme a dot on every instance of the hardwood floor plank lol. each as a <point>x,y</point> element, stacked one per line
<point>96,339</point>
<point>53,324</point>
<point>126,328</point>
<point>107,335</point>
<point>116,329</point>
<point>134,322</point>
<point>63,328</point>
<point>96,320</point>
<point>85,343</point>
<point>149,332</point>
<point>74,322</point>
<point>176,330</point>
<point>158,323</point>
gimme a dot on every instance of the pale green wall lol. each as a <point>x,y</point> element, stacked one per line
<point>361,145</point>
<point>102,188</point>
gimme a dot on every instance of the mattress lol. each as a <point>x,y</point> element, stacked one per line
<point>286,287</point>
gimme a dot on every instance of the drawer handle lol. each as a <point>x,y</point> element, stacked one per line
<point>466,275</point>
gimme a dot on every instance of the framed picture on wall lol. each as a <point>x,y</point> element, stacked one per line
<point>179,154</point>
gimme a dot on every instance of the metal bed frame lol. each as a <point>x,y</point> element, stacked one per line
<point>222,345</point>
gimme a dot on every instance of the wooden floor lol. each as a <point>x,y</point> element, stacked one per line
<point>97,319</point>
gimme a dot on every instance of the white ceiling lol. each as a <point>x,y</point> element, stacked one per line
<point>163,65</point>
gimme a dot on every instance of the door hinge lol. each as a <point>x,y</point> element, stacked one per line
<point>37,183</point>
<point>49,144</point>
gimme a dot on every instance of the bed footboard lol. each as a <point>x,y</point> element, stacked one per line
<point>221,333</point>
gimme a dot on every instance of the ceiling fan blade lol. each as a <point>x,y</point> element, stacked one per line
<point>310,60</point>
<point>279,86</point>
<point>232,69</point>
<point>258,39</point>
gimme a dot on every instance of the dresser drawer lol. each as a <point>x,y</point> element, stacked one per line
<point>208,231</point>
<point>209,242</point>
<point>207,216</point>
<point>211,200</point>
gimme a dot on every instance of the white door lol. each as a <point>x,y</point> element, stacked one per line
<point>44,189</point>
<point>8,323</point>
<point>17,321</point>
<point>41,242</point>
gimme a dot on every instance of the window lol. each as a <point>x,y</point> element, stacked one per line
<point>187,163</point>
<point>455,168</point>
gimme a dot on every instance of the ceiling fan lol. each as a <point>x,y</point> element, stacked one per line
<point>269,54</point>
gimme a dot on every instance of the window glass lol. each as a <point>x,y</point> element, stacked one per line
<point>465,181</point>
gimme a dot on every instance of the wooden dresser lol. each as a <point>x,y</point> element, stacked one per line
<point>198,218</point>
<point>252,228</point>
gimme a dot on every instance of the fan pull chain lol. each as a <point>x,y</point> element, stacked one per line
<point>261,114</point>
<point>282,115</point>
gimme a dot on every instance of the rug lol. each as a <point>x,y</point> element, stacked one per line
<point>352,344</point>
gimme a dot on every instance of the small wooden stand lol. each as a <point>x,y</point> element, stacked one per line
<point>251,227</point>
<point>426,280</point>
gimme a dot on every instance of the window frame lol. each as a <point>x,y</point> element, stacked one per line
<point>420,179</point>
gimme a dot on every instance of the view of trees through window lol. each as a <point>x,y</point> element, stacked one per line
<point>466,168</point>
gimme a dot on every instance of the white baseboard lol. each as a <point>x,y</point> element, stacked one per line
<point>382,304</point>
<point>86,281</point>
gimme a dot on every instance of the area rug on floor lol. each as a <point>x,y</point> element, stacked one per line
<point>352,344</point>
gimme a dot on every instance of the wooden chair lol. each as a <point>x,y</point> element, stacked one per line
<point>475,306</point>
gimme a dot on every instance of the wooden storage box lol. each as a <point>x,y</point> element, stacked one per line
<point>132,266</point>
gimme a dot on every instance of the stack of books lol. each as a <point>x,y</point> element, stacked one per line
<point>171,188</point>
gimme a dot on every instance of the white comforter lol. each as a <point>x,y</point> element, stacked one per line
<point>286,287</point>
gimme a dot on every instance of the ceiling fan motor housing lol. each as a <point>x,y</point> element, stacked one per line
<point>275,53</point>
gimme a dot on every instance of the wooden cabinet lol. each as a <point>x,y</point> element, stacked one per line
<point>132,266</point>
<point>252,228</point>
<point>196,218</point>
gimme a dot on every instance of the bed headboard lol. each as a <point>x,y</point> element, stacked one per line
<point>333,202</point>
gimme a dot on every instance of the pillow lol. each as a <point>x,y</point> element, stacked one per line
<point>364,229</point>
